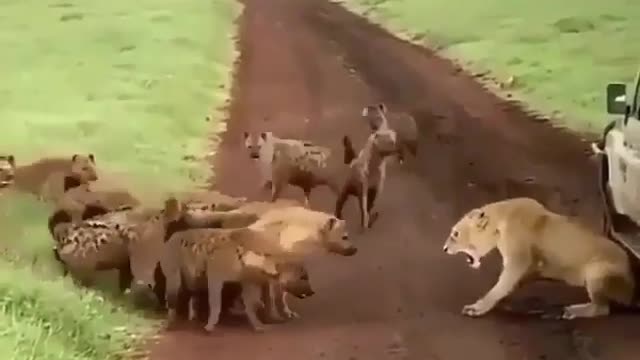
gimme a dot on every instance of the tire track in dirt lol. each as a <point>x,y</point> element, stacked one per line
<point>400,296</point>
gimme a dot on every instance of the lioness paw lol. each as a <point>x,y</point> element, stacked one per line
<point>474,310</point>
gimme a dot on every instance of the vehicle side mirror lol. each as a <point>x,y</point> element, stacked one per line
<point>617,98</point>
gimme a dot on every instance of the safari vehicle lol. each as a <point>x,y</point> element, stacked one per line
<point>619,156</point>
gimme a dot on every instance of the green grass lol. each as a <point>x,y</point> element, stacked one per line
<point>561,53</point>
<point>131,82</point>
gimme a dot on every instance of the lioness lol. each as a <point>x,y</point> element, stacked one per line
<point>535,242</point>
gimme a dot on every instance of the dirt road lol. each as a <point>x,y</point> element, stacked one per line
<point>400,296</point>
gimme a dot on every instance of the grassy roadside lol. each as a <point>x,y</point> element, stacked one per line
<point>560,53</point>
<point>131,82</point>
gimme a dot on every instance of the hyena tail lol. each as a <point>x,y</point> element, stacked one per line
<point>349,151</point>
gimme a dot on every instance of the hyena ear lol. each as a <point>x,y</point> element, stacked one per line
<point>331,224</point>
<point>93,210</point>
<point>92,158</point>
<point>382,107</point>
<point>172,209</point>
<point>12,160</point>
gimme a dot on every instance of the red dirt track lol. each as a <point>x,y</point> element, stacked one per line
<point>400,297</point>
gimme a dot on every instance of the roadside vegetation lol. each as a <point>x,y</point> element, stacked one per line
<point>132,83</point>
<point>561,54</point>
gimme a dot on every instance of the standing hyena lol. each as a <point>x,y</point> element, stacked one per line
<point>207,258</point>
<point>289,161</point>
<point>403,124</point>
<point>367,173</point>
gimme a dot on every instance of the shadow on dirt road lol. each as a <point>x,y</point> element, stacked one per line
<point>400,297</point>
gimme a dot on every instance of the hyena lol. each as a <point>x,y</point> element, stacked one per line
<point>367,173</point>
<point>289,161</point>
<point>402,123</point>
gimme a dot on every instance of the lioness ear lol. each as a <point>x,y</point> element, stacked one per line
<point>11,160</point>
<point>92,158</point>
<point>74,157</point>
<point>365,111</point>
<point>382,107</point>
<point>263,136</point>
<point>246,135</point>
<point>483,220</point>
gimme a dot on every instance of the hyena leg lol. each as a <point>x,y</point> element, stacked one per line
<point>215,301</point>
<point>372,194</point>
<point>400,153</point>
<point>364,200</point>
<point>193,307</point>
<point>340,201</point>
<point>276,190</point>
<point>307,195</point>
<point>125,277</point>
<point>274,292</point>
<point>251,298</point>
<point>412,146</point>
<point>172,290</point>
<point>290,314</point>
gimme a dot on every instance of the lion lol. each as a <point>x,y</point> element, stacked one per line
<point>7,170</point>
<point>290,161</point>
<point>209,258</point>
<point>367,173</point>
<point>403,124</point>
<point>49,178</point>
<point>535,242</point>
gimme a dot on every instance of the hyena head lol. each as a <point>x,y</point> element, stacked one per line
<point>294,279</point>
<point>7,170</point>
<point>83,168</point>
<point>335,237</point>
<point>258,143</point>
<point>144,256</point>
<point>384,141</point>
<point>374,115</point>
